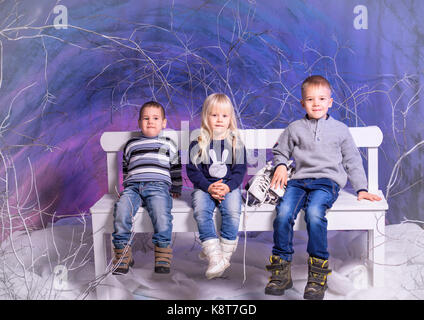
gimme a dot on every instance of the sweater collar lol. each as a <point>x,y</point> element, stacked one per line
<point>326,117</point>
<point>143,136</point>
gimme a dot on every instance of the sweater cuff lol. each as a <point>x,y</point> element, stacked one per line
<point>176,189</point>
<point>357,192</point>
<point>232,185</point>
<point>205,187</point>
<point>281,164</point>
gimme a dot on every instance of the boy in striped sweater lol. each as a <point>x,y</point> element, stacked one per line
<point>151,174</point>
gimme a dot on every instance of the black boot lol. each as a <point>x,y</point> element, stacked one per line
<point>317,279</point>
<point>280,279</point>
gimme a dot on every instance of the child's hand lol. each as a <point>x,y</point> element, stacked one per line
<point>213,191</point>
<point>279,179</point>
<point>368,196</point>
<point>218,190</point>
<point>222,189</point>
<point>175,195</point>
<point>217,197</point>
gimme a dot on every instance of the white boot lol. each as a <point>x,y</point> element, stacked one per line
<point>228,248</point>
<point>217,263</point>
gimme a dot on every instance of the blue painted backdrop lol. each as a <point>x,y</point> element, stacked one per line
<point>61,88</point>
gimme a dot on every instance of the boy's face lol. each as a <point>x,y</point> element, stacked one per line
<point>151,122</point>
<point>316,101</point>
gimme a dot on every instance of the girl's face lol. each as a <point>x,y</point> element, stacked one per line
<point>219,118</point>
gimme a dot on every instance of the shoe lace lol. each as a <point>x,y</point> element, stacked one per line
<point>262,184</point>
<point>260,187</point>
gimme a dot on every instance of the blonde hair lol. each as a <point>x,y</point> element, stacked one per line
<point>206,134</point>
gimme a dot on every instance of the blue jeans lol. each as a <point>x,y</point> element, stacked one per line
<point>155,197</point>
<point>315,197</point>
<point>230,208</point>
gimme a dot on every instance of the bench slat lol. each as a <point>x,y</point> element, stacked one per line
<point>253,138</point>
<point>345,202</point>
<point>347,213</point>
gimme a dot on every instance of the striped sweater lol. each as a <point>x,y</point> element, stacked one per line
<point>152,159</point>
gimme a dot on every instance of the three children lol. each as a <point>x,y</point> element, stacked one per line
<point>325,156</point>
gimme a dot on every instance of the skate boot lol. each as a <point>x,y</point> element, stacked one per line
<point>280,279</point>
<point>122,261</point>
<point>163,258</point>
<point>317,279</point>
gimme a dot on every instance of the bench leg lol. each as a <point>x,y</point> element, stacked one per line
<point>376,250</point>
<point>100,264</point>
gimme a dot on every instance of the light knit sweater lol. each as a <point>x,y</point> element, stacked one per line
<point>321,148</point>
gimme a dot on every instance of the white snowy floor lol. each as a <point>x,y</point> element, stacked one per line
<point>28,267</point>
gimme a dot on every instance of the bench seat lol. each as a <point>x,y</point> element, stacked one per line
<point>347,213</point>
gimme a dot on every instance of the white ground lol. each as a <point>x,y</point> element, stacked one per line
<point>28,267</point>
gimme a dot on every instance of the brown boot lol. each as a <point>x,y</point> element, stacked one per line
<point>317,279</point>
<point>122,261</point>
<point>280,279</point>
<point>163,258</point>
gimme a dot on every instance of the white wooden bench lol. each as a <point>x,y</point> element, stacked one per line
<point>347,212</point>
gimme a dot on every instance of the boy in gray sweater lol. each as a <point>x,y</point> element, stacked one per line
<point>325,156</point>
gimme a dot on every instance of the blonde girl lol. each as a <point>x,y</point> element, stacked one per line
<point>217,165</point>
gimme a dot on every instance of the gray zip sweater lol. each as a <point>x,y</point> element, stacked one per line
<point>321,148</point>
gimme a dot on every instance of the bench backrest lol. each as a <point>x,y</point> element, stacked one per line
<point>254,139</point>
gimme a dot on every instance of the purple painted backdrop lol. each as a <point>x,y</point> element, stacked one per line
<point>61,88</point>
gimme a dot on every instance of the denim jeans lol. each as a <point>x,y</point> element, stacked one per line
<point>230,209</point>
<point>155,197</point>
<point>315,197</point>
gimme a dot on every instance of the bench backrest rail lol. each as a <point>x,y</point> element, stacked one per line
<point>369,137</point>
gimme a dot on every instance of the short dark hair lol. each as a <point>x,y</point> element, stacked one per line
<point>316,80</point>
<point>153,104</point>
